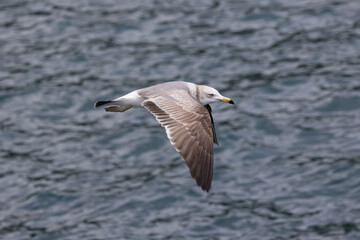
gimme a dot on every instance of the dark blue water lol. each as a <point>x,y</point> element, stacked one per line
<point>288,164</point>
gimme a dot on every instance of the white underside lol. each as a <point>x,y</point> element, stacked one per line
<point>131,99</point>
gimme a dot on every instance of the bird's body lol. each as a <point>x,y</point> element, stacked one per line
<point>183,109</point>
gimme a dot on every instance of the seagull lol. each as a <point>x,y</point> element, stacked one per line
<point>183,109</point>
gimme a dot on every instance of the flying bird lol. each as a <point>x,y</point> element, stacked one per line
<point>183,109</point>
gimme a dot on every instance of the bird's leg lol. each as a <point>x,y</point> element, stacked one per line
<point>117,109</point>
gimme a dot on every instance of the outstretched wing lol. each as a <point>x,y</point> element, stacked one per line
<point>189,128</point>
<point>207,106</point>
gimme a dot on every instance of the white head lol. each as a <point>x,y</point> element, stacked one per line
<point>208,95</point>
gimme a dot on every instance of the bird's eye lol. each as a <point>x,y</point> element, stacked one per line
<point>210,95</point>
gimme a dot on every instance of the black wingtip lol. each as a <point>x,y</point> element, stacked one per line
<point>231,102</point>
<point>100,103</point>
<point>205,187</point>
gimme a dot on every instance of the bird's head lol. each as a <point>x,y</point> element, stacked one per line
<point>208,95</point>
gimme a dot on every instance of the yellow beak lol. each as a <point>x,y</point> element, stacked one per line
<point>227,100</point>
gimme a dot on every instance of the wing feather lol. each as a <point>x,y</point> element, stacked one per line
<point>189,128</point>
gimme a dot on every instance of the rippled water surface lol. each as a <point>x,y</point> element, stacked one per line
<point>288,163</point>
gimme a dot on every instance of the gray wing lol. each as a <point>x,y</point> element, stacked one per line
<point>189,129</point>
